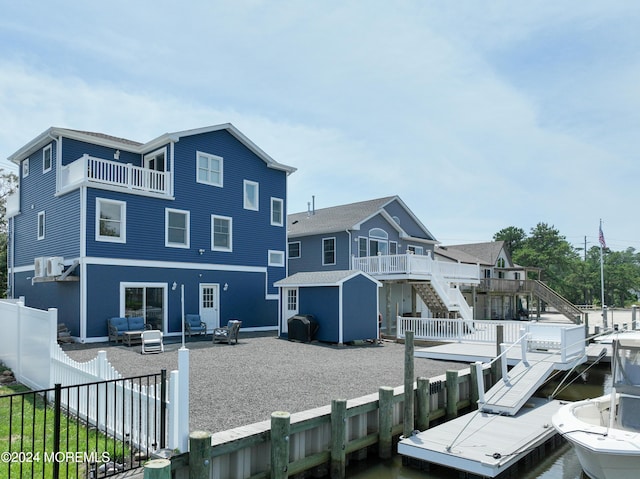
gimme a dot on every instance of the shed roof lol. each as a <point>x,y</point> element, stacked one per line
<point>322,278</point>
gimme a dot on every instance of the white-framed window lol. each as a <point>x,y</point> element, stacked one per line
<point>156,160</point>
<point>378,243</point>
<point>363,250</point>
<point>251,195</point>
<point>393,247</point>
<point>111,220</point>
<point>277,212</point>
<point>292,299</point>
<point>221,233</point>
<point>209,169</point>
<point>276,258</point>
<point>418,250</point>
<point>25,167</point>
<point>328,251</point>
<point>41,225</point>
<point>177,228</point>
<point>294,249</point>
<point>47,159</point>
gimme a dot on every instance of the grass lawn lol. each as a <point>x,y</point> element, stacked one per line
<point>27,437</point>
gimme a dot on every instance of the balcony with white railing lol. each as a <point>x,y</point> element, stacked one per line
<point>98,172</point>
<point>415,266</point>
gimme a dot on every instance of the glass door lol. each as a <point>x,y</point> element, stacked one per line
<point>147,301</point>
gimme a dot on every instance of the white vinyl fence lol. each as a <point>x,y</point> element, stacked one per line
<point>28,345</point>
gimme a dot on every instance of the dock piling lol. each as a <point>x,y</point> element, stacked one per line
<point>280,444</point>
<point>408,411</point>
<point>338,438</point>
<point>385,422</point>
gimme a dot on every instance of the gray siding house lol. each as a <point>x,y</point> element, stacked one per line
<point>385,239</point>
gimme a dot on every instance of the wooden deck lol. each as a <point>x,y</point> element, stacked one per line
<point>484,444</point>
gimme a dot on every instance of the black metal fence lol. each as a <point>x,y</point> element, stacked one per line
<point>90,430</point>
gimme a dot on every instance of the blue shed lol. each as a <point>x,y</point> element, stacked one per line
<point>344,304</point>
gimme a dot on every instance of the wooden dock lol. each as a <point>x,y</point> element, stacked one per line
<point>484,444</point>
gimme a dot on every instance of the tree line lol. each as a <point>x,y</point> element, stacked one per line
<point>573,272</point>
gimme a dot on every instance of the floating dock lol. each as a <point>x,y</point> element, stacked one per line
<point>485,444</point>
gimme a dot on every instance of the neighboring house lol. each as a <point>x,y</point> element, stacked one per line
<point>505,290</point>
<point>103,227</point>
<point>385,239</point>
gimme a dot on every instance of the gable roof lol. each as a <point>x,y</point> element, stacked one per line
<point>485,253</point>
<point>129,145</point>
<point>347,217</point>
<point>455,255</point>
<point>322,278</point>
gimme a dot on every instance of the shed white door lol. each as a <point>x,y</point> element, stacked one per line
<point>289,306</point>
<point>210,305</point>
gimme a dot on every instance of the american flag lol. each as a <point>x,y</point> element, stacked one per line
<point>601,238</point>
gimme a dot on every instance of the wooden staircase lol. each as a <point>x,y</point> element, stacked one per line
<point>431,298</point>
<point>549,296</point>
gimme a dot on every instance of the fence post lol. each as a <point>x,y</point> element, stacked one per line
<point>174,408</point>
<point>20,322</point>
<point>474,391</point>
<point>163,408</point>
<point>56,427</point>
<point>280,444</point>
<point>158,469</point>
<point>338,438</point>
<point>634,309</point>
<point>385,422</point>
<point>408,409</point>
<point>199,455</point>
<point>453,394</point>
<point>183,404</point>
<point>423,399</point>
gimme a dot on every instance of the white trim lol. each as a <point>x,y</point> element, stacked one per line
<point>143,284</point>
<point>170,264</point>
<point>187,214</point>
<point>340,314</point>
<point>335,255</point>
<point>146,159</point>
<point>223,249</point>
<point>281,201</point>
<point>83,221</point>
<point>123,221</point>
<point>209,157</point>
<point>247,204</point>
<point>279,263</point>
<point>48,147</point>
<point>42,225</point>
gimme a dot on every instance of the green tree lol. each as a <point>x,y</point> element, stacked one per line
<point>513,238</point>
<point>8,184</point>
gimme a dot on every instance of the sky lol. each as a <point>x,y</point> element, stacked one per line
<point>479,115</point>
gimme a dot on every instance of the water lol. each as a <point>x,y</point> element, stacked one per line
<point>561,464</point>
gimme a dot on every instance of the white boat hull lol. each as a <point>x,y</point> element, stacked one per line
<point>603,452</point>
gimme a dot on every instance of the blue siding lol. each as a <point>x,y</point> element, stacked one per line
<point>311,253</point>
<point>62,215</point>
<point>74,149</point>
<point>65,296</point>
<point>244,298</point>
<point>322,302</point>
<point>406,221</point>
<point>359,309</point>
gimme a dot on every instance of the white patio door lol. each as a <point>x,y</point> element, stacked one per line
<point>210,305</point>
<point>289,306</point>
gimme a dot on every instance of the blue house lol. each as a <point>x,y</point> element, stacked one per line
<point>103,226</point>
<point>385,239</point>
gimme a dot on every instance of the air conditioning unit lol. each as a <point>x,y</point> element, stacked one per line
<point>39,267</point>
<point>55,265</point>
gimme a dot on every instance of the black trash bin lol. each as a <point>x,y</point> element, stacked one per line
<point>302,327</point>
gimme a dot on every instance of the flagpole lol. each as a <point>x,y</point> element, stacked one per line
<point>602,244</point>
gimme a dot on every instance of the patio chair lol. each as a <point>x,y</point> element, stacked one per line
<point>194,325</point>
<point>227,333</point>
<point>152,342</point>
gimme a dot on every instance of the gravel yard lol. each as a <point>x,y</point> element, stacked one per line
<point>236,385</point>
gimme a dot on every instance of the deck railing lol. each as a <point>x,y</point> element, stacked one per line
<point>412,264</point>
<point>125,175</point>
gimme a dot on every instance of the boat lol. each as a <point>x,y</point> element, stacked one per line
<point>605,431</point>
